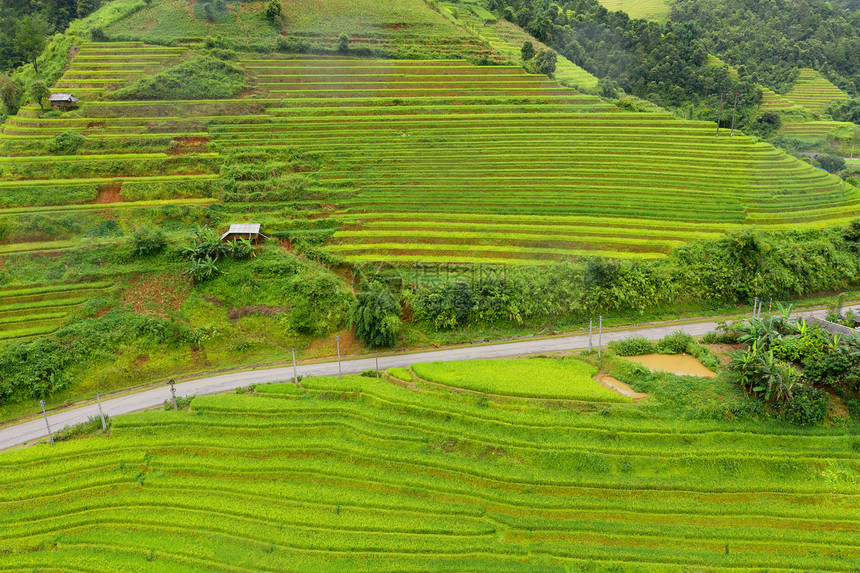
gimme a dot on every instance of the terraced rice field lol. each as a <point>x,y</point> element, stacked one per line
<point>818,128</point>
<point>33,310</point>
<point>508,39</point>
<point>772,101</point>
<point>359,475</point>
<point>425,160</point>
<point>648,9</point>
<point>814,92</point>
<point>137,158</point>
<point>406,28</point>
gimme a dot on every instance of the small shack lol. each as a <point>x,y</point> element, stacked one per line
<point>62,101</point>
<point>250,231</point>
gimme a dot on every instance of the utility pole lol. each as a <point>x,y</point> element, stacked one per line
<point>377,367</point>
<point>101,413</point>
<point>734,109</point>
<point>339,371</point>
<point>720,114</point>
<point>173,392</point>
<point>295,369</point>
<point>47,425</point>
<point>600,338</point>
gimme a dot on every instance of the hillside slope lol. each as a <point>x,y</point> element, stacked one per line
<point>429,160</point>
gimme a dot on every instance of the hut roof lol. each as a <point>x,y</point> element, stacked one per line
<point>242,229</point>
<point>62,97</point>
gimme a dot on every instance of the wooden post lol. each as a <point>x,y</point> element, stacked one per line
<point>173,392</point>
<point>102,414</point>
<point>295,370</point>
<point>47,425</point>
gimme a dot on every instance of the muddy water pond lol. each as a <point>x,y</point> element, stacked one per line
<point>681,364</point>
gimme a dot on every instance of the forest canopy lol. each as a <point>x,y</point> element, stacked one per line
<point>768,40</point>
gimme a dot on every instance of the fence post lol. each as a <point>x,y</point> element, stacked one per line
<point>173,392</point>
<point>47,425</point>
<point>101,413</point>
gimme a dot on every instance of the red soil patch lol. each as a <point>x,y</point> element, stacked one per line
<point>328,346</point>
<point>158,295</point>
<point>109,193</point>
<point>286,244</point>
<point>94,124</point>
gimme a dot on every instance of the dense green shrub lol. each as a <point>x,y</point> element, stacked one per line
<point>322,303</point>
<point>808,407</point>
<point>831,163</point>
<point>41,367</point>
<point>675,343</point>
<point>714,273</point>
<point>446,307</point>
<point>634,346</point>
<point>375,316</point>
<point>148,241</point>
<point>293,45</point>
<point>202,77</point>
<point>67,143</point>
<point>343,44</point>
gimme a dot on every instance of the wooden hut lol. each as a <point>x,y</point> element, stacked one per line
<point>250,231</point>
<point>62,101</point>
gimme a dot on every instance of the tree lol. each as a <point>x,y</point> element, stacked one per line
<point>375,316</point>
<point>39,91</point>
<point>527,51</point>
<point>545,62</point>
<point>832,163</point>
<point>274,11</point>
<point>87,7</point>
<point>10,93</point>
<point>343,43</point>
<point>607,88</point>
<point>31,35</point>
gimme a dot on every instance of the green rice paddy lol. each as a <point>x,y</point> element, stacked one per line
<point>429,160</point>
<point>814,92</point>
<point>359,474</point>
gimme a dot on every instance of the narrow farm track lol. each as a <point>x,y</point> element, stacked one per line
<point>24,432</point>
<point>359,474</point>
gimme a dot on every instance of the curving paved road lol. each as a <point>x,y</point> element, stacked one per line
<point>35,429</point>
